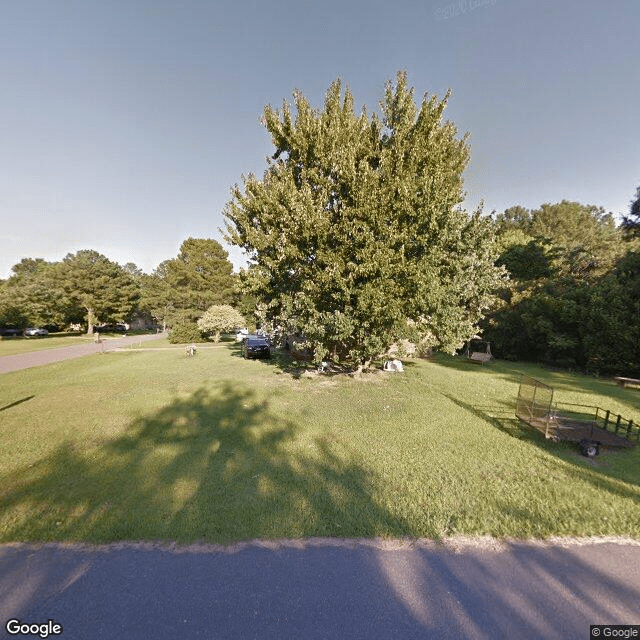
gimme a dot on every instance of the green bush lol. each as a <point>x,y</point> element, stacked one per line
<point>185,332</point>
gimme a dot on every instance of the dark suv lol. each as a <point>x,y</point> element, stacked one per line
<point>255,347</point>
<point>10,331</point>
<point>111,328</point>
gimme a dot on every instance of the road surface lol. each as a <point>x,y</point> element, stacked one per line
<point>323,588</point>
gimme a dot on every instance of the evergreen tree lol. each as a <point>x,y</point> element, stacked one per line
<point>99,288</point>
<point>631,223</point>
<point>156,296</point>
<point>33,295</point>
<point>199,277</point>
<point>355,228</point>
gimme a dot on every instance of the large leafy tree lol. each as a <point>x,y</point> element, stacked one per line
<point>356,227</point>
<point>566,302</point>
<point>101,290</point>
<point>580,241</point>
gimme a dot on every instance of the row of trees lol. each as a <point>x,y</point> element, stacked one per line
<point>573,298</point>
<point>87,288</point>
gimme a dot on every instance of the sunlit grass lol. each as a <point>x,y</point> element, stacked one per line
<point>156,445</point>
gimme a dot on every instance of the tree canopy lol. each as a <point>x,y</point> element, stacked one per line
<point>84,287</point>
<point>185,286</point>
<point>631,223</point>
<point>573,298</point>
<point>32,295</point>
<point>101,289</point>
<point>581,240</point>
<point>218,318</point>
<point>355,229</point>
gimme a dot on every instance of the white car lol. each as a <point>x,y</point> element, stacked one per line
<point>241,334</point>
<point>35,331</point>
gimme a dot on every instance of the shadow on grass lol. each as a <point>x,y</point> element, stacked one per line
<point>214,466</point>
<point>284,362</point>
<point>562,382</point>
<point>512,372</point>
<point>596,471</point>
<point>16,403</point>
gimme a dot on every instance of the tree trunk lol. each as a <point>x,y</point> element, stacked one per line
<point>363,366</point>
<point>91,320</point>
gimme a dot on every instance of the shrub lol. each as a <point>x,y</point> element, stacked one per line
<point>185,332</point>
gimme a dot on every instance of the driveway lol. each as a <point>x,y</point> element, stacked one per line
<point>47,356</point>
<point>324,588</point>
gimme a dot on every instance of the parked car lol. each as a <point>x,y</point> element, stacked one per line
<point>256,347</point>
<point>110,328</point>
<point>263,334</point>
<point>241,334</point>
<point>10,331</point>
<point>35,331</point>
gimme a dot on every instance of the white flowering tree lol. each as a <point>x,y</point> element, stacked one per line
<point>219,318</point>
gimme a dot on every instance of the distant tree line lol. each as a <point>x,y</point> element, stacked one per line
<point>88,289</point>
<point>573,298</point>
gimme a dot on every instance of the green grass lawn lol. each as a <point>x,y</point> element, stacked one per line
<point>153,445</point>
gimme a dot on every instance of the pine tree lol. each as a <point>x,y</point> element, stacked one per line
<point>100,288</point>
<point>631,223</point>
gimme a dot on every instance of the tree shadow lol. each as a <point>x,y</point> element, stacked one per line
<point>216,466</point>
<point>512,371</point>
<point>280,361</point>
<point>499,368</point>
<point>285,362</point>
<point>16,403</point>
<point>510,592</point>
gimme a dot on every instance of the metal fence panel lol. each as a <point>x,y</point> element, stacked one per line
<point>534,404</point>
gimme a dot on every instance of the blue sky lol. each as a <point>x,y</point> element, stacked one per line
<point>124,124</point>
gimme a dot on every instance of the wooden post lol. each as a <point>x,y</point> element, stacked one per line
<point>606,419</point>
<point>629,429</point>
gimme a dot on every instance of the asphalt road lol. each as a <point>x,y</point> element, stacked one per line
<point>47,356</point>
<point>323,589</point>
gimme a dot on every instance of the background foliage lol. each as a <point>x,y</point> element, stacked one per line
<point>574,295</point>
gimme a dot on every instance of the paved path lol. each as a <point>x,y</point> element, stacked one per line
<point>324,589</point>
<point>47,356</point>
